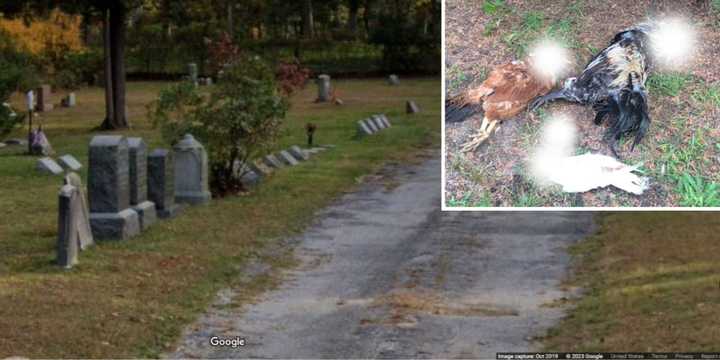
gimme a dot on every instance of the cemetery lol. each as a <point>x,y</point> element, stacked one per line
<point>149,150</point>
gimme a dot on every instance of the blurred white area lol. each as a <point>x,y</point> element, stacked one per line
<point>549,60</point>
<point>553,162</point>
<point>673,41</point>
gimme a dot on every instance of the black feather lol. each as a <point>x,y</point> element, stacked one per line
<point>457,110</point>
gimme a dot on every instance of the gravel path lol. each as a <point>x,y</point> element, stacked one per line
<point>384,273</point>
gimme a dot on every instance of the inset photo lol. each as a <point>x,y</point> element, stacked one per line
<point>581,104</point>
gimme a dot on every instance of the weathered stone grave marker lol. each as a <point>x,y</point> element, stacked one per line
<point>260,168</point>
<point>371,125</point>
<point>288,159</point>
<point>82,221</point>
<point>393,80</point>
<point>69,100</point>
<point>70,162</point>
<point>48,165</point>
<point>272,161</point>
<point>193,72</point>
<point>411,107</point>
<point>161,182</point>
<point>191,172</point>
<point>298,153</point>
<point>67,241</point>
<point>138,183</point>
<point>379,123</point>
<point>109,189</point>
<point>385,120</point>
<point>323,82</point>
<point>363,129</point>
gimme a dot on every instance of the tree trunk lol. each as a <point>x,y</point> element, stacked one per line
<point>367,14</point>
<point>307,16</point>
<point>230,21</point>
<point>118,16</point>
<point>354,5</point>
<point>109,108</point>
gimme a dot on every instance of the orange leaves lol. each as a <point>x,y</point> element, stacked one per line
<point>59,32</point>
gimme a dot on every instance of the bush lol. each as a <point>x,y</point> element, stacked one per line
<point>238,119</point>
<point>9,119</point>
<point>77,69</point>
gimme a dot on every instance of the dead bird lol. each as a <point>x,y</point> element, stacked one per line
<point>613,82</point>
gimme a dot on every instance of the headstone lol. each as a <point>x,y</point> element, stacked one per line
<point>82,222</point>
<point>250,178</point>
<point>260,168</point>
<point>288,159</point>
<point>208,81</point>
<point>138,183</point>
<point>161,182</point>
<point>339,102</point>
<point>385,120</point>
<point>43,99</point>
<point>67,241</point>
<point>48,165</point>
<point>69,101</point>
<point>411,107</point>
<point>323,82</point>
<point>315,150</point>
<point>193,72</point>
<point>393,80</point>
<point>2,145</point>
<point>191,172</point>
<point>363,129</point>
<point>298,153</point>
<point>371,125</point>
<point>111,217</point>
<point>70,162</point>
<point>379,123</point>
<point>16,142</point>
<point>272,161</point>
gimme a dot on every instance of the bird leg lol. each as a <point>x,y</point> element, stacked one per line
<point>478,138</point>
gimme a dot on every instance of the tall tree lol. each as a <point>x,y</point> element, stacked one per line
<point>307,18</point>
<point>113,13</point>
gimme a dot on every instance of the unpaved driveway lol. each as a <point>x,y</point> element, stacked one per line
<point>385,273</point>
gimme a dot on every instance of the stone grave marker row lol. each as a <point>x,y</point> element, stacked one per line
<point>372,125</point>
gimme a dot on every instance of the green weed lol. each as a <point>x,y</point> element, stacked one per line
<point>667,84</point>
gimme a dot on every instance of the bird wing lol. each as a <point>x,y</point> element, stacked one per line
<point>514,91</point>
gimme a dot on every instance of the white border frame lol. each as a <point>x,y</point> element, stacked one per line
<point>444,207</point>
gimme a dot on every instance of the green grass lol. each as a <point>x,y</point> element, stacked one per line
<point>132,299</point>
<point>696,191</point>
<point>650,283</point>
<point>668,84</point>
<point>532,27</point>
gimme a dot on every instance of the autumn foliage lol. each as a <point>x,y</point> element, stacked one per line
<point>58,33</point>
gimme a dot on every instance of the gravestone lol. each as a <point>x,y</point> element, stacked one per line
<point>411,107</point>
<point>43,99</point>
<point>385,120</point>
<point>138,183</point>
<point>393,80</point>
<point>371,125</point>
<point>16,142</point>
<point>323,82</point>
<point>67,241</point>
<point>161,183</point>
<point>363,129</point>
<point>272,161</point>
<point>260,168</point>
<point>2,145</point>
<point>70,162</point>
<point>111,217</point>
<point>69,101</point>
<point>315,150</point>
<point>379,123</point>
<point>191,172</point>
<point>82,221</point>
<point>193,72</point>
<point>298,153</point>
<point>288,159</point>
<point>48,165</point>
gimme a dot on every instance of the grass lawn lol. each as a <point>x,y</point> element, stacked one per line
<point>652,283</point>
<point>131,299</point>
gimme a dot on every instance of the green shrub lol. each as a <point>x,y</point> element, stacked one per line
<point>238,119</point>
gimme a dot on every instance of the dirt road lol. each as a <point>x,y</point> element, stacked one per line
<point>386,274</point>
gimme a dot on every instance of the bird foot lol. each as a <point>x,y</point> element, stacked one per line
<point>475,141</point>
